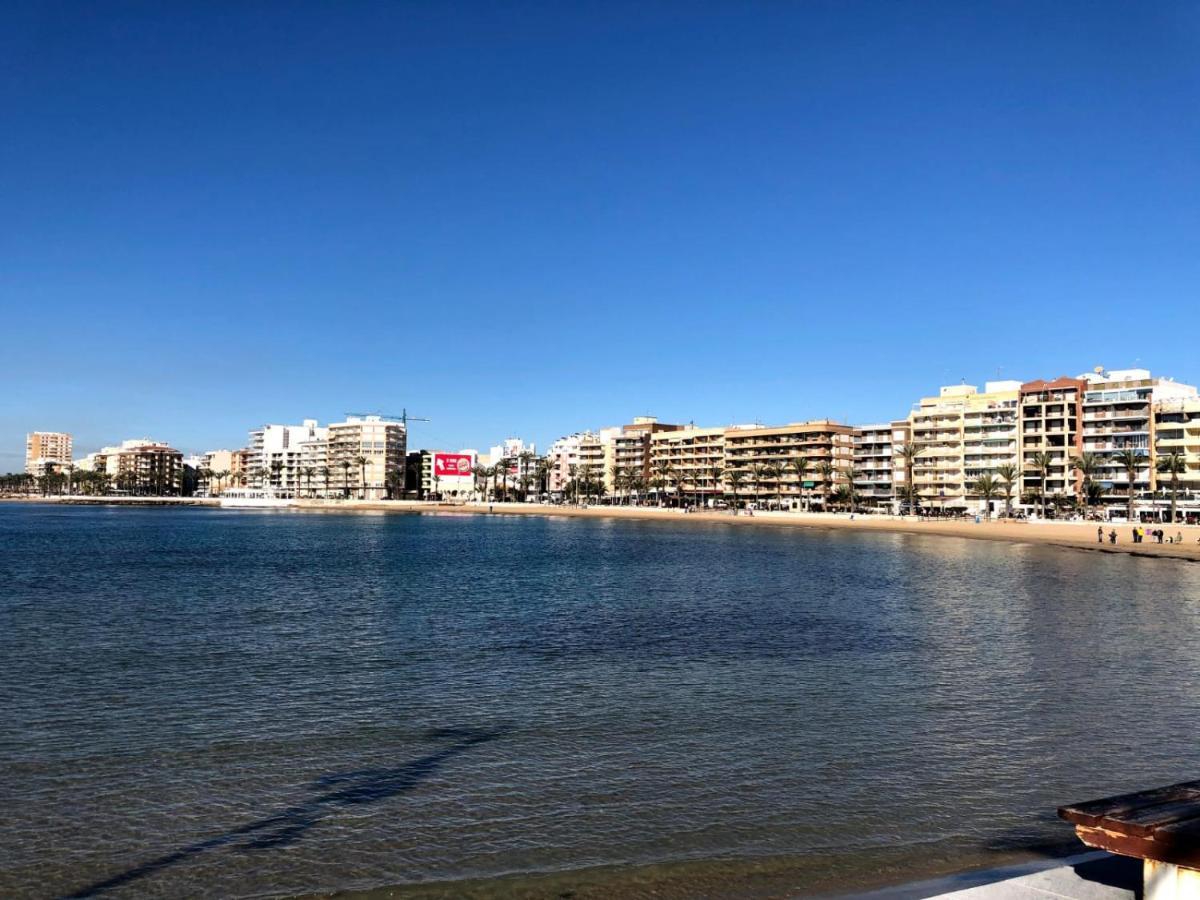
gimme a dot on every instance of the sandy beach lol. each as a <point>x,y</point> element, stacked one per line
<point>1068,535</point>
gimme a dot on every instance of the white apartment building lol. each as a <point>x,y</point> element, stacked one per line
<point>276,454</point>
<point>1119,415</point>
<point>521,462</point>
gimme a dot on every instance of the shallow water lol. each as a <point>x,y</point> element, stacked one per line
<point>208,703</point>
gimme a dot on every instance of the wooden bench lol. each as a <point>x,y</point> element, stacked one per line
<point>1159,826</point>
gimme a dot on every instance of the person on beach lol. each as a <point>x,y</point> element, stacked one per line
<point>1100,534</point>
<point>1112,536</point>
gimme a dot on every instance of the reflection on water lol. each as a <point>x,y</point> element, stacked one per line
<point>221,703</point>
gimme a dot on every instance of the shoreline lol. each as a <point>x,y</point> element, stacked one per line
<point>1062,535</point>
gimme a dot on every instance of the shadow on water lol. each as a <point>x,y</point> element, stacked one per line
<point>337,791</point>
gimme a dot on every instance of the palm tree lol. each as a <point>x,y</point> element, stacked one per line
<point>987,486</point>
<point>1087,465</point>
<point>1173,464</point>
<point>308,472</point>
<point>1039,466</point>
<point>1130,460</point>
<point>909,453</point>
<point>662,473</point>
<point>735,479</point>
<point>799,465</point>
<point>756,477</point>
<point>325,472</point>
<point>1009,474</point>
<point>825,469</point>
<point>395,484</point>
<point>851,475</point>
<point>481,476</point>
<point>772,472</point>
<point>544,468</point>
<point>345,464</point>
<point>715,472</point>
<point>362,461</point>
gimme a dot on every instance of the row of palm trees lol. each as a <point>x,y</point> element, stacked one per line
<point>1088,465</point>
<point>68,480</point>
<point>668,485</point>
<point>498,482</point>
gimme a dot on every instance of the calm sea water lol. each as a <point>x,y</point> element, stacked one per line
<point>207,703</point>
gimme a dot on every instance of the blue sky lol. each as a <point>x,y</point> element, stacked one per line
<point>526,219</point>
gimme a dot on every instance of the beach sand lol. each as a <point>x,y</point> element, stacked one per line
<point>1069,535</point>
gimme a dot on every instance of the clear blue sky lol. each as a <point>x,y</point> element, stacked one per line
<point>526,219</point>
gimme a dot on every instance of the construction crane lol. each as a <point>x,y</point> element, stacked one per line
<point>403,417</point>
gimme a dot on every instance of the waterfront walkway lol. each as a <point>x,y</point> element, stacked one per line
<point>1088,876</point>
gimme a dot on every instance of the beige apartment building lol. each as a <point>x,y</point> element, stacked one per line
<point>627,448</point>
<point>1177,430</point>
<point>692,458</point>
<point>364,451</point>
<point>46,448</point>
<point>762,456</point>
<point>961,434</point>
<point>220,464</point>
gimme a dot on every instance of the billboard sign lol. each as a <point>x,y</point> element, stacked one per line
<point>452,465</point>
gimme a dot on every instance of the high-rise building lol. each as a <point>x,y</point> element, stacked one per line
<point>627,449</point>
<point>1177,430</point>
<point>46,449</point>
<point>960,435</point>
<point>873,461</point>
<point>1118,416</point>
<point>367,456</point>
<point>1051,420</point>
<point>694,458</point>
<point>277,453</point>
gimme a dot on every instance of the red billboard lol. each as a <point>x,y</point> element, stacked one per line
<point>449,465</point>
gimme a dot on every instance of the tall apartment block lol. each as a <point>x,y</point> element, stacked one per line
<point>962,434</point>
<point>873,459</point>
<point>696,455</point>
<point>364,452</point>
<point>277,454</point>
<point>1177,430</point>
<point>46,448</point>
<point>1119,413</point>
<point>1051,416</point>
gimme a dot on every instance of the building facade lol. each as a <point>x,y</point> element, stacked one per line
<point>47,450</point>
<point>760,461</point>
<point>692,458</point>
<point>873,462</point>
<point>366,457</point>
<point>276,456</point>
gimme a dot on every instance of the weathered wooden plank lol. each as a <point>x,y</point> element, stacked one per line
<point>1147,819</point>
<point>1092,812</point>
<point>1179,852</point>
